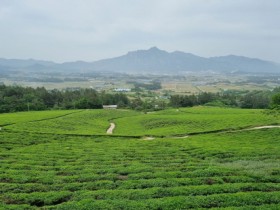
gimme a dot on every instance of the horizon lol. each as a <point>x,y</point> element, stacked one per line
<point>91,61</point>
<point>90,30</point>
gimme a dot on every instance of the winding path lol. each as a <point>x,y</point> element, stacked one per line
<point>111,128</point>
<point>217,131</point>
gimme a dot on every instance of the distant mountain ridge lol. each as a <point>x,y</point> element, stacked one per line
<point>152,60</point>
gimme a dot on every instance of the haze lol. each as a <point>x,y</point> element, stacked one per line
<point>68,30</point>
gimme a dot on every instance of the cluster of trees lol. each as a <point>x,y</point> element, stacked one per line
<point>154,85</point>
<point>250,100</point>
<point>15,98</point>
<point>275,101</point>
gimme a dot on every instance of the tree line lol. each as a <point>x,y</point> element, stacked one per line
<point>249,100</point>
<point>17,98</point>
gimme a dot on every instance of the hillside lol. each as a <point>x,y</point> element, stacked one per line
<point>65,160</point>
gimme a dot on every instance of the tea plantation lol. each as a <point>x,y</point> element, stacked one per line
<point>198,158</point>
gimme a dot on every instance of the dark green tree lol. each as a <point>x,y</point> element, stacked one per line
<point>275,101</point>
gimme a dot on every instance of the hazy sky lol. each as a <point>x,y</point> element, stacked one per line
<point>69,30</point>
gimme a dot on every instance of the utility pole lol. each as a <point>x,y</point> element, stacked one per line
<point>28,106</point>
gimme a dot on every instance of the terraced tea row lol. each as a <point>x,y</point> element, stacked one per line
<point>24,117</point>
<point>82,172</point>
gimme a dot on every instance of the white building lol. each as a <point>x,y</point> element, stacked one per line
<point>110,106</point>
<point>122,89</point>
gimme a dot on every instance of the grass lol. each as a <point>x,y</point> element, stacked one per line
<point>43,169</point>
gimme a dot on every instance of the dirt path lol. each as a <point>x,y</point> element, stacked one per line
<point>148,138</point>
<point>111,128</point>
<point>263,127</point>
<point>229,131</point>
<point>180,137</point>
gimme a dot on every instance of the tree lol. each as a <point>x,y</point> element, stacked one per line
<point>255,100</point>
<point>275,101</point>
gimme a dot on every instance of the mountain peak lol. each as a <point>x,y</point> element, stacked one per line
<point>148,52</point>
<point>154,49</point>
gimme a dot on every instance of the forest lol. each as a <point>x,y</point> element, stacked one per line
<point>249,100</point>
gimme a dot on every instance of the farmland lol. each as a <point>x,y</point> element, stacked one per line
<point>65,159</point>
<point>184,84</point>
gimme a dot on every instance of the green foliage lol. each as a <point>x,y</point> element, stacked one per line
<point>15,98</point>
<point>250,100</point>
<point>256,100</point>
<point>276,101</point>
<point>154,85</point>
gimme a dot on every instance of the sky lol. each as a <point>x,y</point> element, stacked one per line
<point>89,30</point>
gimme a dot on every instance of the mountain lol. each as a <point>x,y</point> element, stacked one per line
<point>155,60</point>
<point>20,63</point>
<point>152,60</point>
<point>244,64</point>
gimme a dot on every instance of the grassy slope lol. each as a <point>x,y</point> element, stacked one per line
<point>129,123</point>
<point>83,122</point>
<point>235,170</point>
<point>22,117</point>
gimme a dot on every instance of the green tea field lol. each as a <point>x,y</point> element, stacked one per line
<point>189,158</point>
